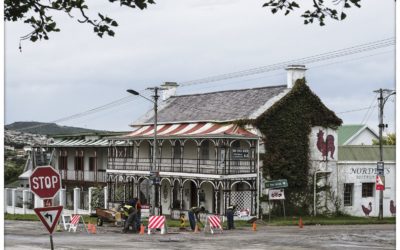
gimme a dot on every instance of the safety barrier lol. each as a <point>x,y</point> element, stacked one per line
<point>214,223</point>
<point>156,222</point>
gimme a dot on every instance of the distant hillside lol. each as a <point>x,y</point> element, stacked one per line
<point>46,128</point>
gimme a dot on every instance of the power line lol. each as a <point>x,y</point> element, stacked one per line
<point>310,59</point>
<point>306,60</point>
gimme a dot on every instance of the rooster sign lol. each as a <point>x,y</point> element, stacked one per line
<point>326,145</point>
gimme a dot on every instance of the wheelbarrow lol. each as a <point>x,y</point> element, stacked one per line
<point>106,215</point>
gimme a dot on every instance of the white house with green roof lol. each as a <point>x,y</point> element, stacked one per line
<point>356,134</point>
<point>356,182</point>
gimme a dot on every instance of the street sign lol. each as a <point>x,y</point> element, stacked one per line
<point>380,168</point>
<point>276,184</point>
<point>49,216</point>
<point>380,182</point>
<point>276,194</point>
<point>45,182</point>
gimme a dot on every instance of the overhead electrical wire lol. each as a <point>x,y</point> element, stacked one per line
<point>306,60</point>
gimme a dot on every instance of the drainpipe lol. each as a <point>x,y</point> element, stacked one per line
<point>315,188</point>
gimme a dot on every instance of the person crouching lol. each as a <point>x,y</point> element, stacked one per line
<point>130,213</point>
<point>194,216</point>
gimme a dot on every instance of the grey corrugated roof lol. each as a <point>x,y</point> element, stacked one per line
<point>366,153</point>
<point>216,106</point>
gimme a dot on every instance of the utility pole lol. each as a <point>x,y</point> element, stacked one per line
<point>154,173</point>
<point>153,168</point>
<point>380,171</point>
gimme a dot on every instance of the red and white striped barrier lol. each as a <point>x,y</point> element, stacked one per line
<point>156,222</point>
<point>214,222</point>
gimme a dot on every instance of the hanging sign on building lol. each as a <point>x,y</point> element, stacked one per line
<point>276,194</point>
<point>238,153</point>
<point>380,182</point>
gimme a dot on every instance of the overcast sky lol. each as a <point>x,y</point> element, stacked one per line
<point>180,40</point>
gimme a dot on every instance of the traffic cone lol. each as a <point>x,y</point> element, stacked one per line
<point>141,229</point>
<point>89,227</point>
<point>93,229</point>
<point>196,229</point>
<point>300,223</point>
<point>254,226</point>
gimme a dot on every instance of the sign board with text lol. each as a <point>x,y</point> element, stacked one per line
<point>276,184</point>
<point>45,182</point>
<point>380,168</point>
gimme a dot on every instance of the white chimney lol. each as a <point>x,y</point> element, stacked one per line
<point>169,89</point>
<point>295,72</point>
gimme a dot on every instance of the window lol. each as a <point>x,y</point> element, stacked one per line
<point>204,150</point>
<point>63,162</point>
<point>348,194</point>
<point>177,150</point>
<point>367,189</point>
<point>92,163</point>
<point>78,163</point>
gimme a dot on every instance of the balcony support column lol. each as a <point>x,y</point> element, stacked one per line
<point>181,194</point>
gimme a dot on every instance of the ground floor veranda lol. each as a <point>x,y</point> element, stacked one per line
<point>176,192</point>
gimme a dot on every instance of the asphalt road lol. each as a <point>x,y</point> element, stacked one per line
<point>32,235</point>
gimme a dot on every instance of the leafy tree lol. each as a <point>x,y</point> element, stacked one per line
<point>390,139</point>
<point>39,14</point>
<point>321,9</point>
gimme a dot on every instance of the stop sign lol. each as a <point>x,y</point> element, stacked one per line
<point>45,182</point>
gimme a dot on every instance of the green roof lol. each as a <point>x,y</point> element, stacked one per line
<point>345,132</point>
<point>366,153</point>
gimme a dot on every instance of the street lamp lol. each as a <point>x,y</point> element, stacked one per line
<point>315,188</point>
<point>153,167</point>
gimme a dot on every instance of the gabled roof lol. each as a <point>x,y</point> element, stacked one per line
<point>222,106</point>
<point>346,133</point>
<point>366,153</point>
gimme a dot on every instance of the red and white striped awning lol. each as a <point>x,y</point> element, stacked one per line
<point>202,129</point>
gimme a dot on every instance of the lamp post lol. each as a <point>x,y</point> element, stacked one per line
<point>382,100</point>
<point>315,188</point>
<point>153,167</point>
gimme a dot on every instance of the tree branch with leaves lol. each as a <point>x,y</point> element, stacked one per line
<point>38,14</point>
<point>319,12</point>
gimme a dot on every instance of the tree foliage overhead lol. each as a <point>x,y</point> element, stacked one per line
<point>39,15</point>
<point>321,9</point>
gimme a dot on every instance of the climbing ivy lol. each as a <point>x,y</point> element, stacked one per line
<point>286,127</point>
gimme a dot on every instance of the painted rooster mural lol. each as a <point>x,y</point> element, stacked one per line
<point>325,145</point>
<point>366,210</point>
<point>392,208</point>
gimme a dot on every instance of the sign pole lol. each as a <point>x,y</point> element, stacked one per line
<point>51,242</point>
<point>284,213</point>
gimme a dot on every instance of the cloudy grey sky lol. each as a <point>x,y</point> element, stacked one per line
<point>180,40</point>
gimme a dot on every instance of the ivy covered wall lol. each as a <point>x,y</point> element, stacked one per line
<point>286,127</point>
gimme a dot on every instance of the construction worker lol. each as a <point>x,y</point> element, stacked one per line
<point>130,213</point>
<point>229,215</point>
<point>194,216</point>
<point>138,207</point>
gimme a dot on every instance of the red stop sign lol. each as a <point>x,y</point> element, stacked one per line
<point>45,182</point>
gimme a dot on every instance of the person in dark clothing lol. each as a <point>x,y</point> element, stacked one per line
<point>130,213</point>
<point>229,215</point>
<point>194,216</point>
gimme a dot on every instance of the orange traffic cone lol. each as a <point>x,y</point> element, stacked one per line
<point>141,229</point>
<point>196,229</point>
<point>93,229</point>
<point>89,227</point>
<point>254,226</point>
<point>300,223</point>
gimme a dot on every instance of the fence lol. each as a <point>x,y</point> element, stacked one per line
<point>74,201</point>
